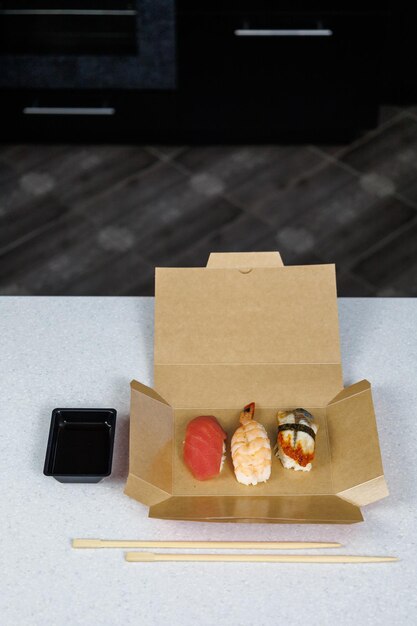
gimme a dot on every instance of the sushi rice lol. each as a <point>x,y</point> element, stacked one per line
<point>223,457</point>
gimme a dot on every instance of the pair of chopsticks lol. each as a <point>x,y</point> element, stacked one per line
<point>229,545</point>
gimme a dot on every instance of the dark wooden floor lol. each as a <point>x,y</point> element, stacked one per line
<point>89,220</point>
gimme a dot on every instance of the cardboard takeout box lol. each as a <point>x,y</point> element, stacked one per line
<point>246,328</point>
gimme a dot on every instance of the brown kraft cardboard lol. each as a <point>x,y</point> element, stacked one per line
<point>246,328</point>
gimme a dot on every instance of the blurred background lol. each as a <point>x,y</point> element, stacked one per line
<point>151,132</point>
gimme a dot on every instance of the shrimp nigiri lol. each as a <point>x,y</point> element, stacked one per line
<point>251,450</point>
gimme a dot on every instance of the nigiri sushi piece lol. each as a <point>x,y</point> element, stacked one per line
<point>251,449</point>
<point>296,439</point>
<point>204,447</point>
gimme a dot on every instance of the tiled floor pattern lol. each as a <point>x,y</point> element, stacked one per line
<point>87,220</point>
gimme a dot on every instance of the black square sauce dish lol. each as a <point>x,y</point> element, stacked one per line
<point>80,445</point>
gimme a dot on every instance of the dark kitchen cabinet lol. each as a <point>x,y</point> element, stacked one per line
<point>398,84</point>
<point>193,71</point>
<point>278,74</point>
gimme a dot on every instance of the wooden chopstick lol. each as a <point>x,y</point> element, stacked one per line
<point>257,558</point>
<point>226,545</point>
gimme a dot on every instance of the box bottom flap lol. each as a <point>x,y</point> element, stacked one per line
<point>144,492</point>
<point>366,493</point>
<point>258,509</point>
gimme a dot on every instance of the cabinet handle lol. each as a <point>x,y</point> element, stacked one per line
<point>69,111</point>
<point>67,12</point>
<point>283,32</point>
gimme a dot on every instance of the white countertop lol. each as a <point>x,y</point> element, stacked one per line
<point>58,352</point>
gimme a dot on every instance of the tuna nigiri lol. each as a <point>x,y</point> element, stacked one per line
<point>251,450</point>
<point>204,447</point>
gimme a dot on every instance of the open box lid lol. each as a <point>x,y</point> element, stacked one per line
<point>246,327</point>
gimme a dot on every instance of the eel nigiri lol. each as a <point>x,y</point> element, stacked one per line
<point>296,439</point>
<point>251,450</point>
<point>204,447</point>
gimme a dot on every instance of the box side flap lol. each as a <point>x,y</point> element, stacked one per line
<point>222,385</point>
<point>352,390</point>
<point>150,453</point>
<point>256,509</point>
<point>358,475</point>
<point>147,391</point>
<point>245,259</point>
